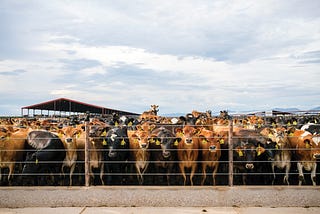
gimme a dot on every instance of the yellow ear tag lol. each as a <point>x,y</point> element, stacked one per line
<point>291,134</point>
<point>78,135</point>
<point>123,142</point>
<point>180,134</point>
<point>93,142</point>
<point>289,124</point>
<point>37,161</point>
<point>259,125</point>
<point>204,141</point>
<point>104,142</point>
<point>273,124</point>
<point>116,124</point>
<point>270,135</point>
<point>176,143</point>
<point>157,142</point>
<point>104,133</point>
<point>277,147</point>
<point>240,153</point>
<point>151,140</point>
<point>221,141</point>
<point>308,146</point>
<point>130,123</point>
<point>135,140</point>
<point>294,123</point>
<point>259,150</point>
<point>60,135</point>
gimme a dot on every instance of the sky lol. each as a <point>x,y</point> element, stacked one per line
<point>183,55</point>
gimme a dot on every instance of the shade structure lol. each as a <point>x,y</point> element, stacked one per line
<point>72,106</point>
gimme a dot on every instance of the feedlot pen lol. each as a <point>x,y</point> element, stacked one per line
<point>234,186</point>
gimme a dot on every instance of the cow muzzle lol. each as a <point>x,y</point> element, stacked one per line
<point>316,156</point>
<point>68,140</point>
<point>143,145</point>
<point>212,148</point>
<point>249,166</point>
<point>188,141</point>
<point>166,154</point>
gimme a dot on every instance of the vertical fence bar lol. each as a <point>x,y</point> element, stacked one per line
<point>230,152</point>
<point>87,155</point>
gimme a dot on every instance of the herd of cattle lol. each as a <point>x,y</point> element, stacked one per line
<point>155,150</point>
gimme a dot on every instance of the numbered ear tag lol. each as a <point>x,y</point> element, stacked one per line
<point>151,140</point>
<point>104,142</point>
<point>123,142</point>
<point>221,141</point>
<point>240,153</point>
<point>294,123</point>
<point>157,142</point>
<point>78,135</point>
<point>116,124</point>
<point>130,123</point>
<point>104,133</point>
<point>308,146</point>
<point>270,135</point>
<point>204,141</point>
<point>37,161</point>
<point>277,147</point>
<point>60,135</point>
<point>176,143</point>
<point>259,150</point>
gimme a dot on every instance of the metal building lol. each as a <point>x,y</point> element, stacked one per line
<point>64,106</point>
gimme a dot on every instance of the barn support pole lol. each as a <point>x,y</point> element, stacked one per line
<point>230,152</point>
<point>87,154</point>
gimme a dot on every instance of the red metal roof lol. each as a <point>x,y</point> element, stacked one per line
<point>68,105</point>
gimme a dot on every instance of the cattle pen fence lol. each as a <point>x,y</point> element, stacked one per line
<point>103,182</point>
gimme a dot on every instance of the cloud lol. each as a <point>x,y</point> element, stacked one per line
<point>181,55</point>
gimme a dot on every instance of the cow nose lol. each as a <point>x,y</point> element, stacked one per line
<point>143,145</point>
<point>249,166</point>
<point>212,148</point>
<point>166,154</point>
<point>69,140</point>
<point>188,140</point>
<point>316,156</point>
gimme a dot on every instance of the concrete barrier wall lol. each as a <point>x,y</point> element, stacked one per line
<point>129,196</point>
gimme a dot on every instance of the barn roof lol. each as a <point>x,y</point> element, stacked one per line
<point>68,105</point>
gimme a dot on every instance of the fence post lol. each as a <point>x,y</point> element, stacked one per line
<point>87,154</point>
<point>230,152</point>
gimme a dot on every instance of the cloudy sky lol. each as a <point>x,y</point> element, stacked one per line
<point>183,55</point>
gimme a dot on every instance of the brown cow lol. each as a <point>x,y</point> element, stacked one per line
<point>306,152</point>
<point>187,150</point>
<point>96,134</point>
<point>68,136</point>
<point>150,115</point>
<point>211,153</point>
<point>139,153</point>
<point>12,143</point>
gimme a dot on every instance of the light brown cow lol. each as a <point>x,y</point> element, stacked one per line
<point>187,150</point>
<point>12,143</point>
<point>68,136</point>
<point>95,148</point>
<point>211,153</point>
<point>306,151</point>
<point>139,153</point>
<point>150,115</point>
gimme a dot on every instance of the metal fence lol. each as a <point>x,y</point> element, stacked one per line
<point>96,169</point>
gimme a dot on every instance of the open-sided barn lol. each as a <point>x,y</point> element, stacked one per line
<point>68,106</point>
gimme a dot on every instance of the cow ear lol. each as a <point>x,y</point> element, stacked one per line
<point>291,130</point>
<point>178,130</point>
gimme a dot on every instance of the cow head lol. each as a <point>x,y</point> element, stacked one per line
<point>187,134</point>
<point>116,141</point>
<point>163,139</point>
<point>209,141</point>
<point>245,153</point>
<point>69,134</point>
